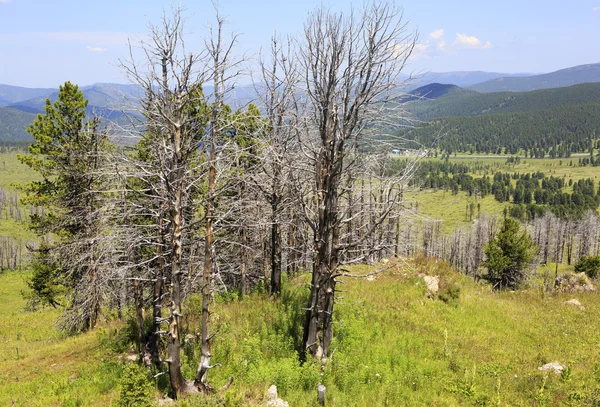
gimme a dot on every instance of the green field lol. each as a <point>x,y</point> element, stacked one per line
<point>453,209</point>
<point>557,167</point>
<point>13,172</point>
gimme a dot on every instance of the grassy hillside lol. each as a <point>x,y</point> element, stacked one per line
<point>13,172</point>
<point>396,347</point>
<point>393,346</point>
<point>452,210</point>
<point>41,366</point>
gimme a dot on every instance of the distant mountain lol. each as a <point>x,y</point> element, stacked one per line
<point>13,125</point>
<point>434,91</point>
<point>12,94</point>
<point>462,102</point>
<point>109,101</point>
<point>105,97</point>
<point>459,78</point>
<point>564,77</point>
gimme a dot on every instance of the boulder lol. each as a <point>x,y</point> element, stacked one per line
<point>554,367</point>
<point>573,283</point>
<point>576,304</point>
<point>273,400</point>
<point>433,285</point>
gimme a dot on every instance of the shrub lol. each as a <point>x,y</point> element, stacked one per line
<point>136,388</point>
<point>590,265</point>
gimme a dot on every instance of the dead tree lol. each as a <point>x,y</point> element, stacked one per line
<point>275,90</point>
<point>222,70</point>
<point>176,155</point>
<point>349,67</point>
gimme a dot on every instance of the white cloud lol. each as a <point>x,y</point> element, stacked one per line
<point>96,49</point>
<point>4,1</point>
<point>594,9</point>
<point>442,46</point>
<point>420,48</point>
<point>470,42</point>
<point>437,34</point>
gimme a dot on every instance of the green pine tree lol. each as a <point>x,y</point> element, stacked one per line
<point>508,255</point>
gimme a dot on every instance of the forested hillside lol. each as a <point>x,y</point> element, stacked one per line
<point>13,125</point>
<point>447,100</point>
<point>555,132</point>
<point>101,96</point>
<point>434,91</point>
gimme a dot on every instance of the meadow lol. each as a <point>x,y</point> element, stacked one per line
<point>395,345</point>
<point>453,210</point>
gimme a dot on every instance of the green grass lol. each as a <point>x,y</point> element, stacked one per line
<point>41,366</point>
<point>557,167</point>
<point>452,209</point>
<point>12,171</point>
<point>393,346</point>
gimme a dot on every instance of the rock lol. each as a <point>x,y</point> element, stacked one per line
<point>554,366</point>
<point>273,400</point>
<point>166,401</point>
<point>370,277</point>
<point>573,283</point>
<point>272,393</point>
<point>433,285</point>
<point>132,357</point>
<point>576,304</point>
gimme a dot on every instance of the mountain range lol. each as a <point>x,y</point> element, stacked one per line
<point>432,95</point>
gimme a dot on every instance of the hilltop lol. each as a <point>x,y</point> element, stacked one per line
<point>564,77</point>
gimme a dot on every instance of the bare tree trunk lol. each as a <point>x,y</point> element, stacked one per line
<point>174,338</point>
<point>139,309</point>
<point>275,246</point>
<point>292,266</point>
<point>204,366</point>
<point>157,296</point>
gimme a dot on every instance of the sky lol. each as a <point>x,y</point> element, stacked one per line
<point>44,43</point>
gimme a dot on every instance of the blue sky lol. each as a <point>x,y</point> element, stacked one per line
<point>46,42</point>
